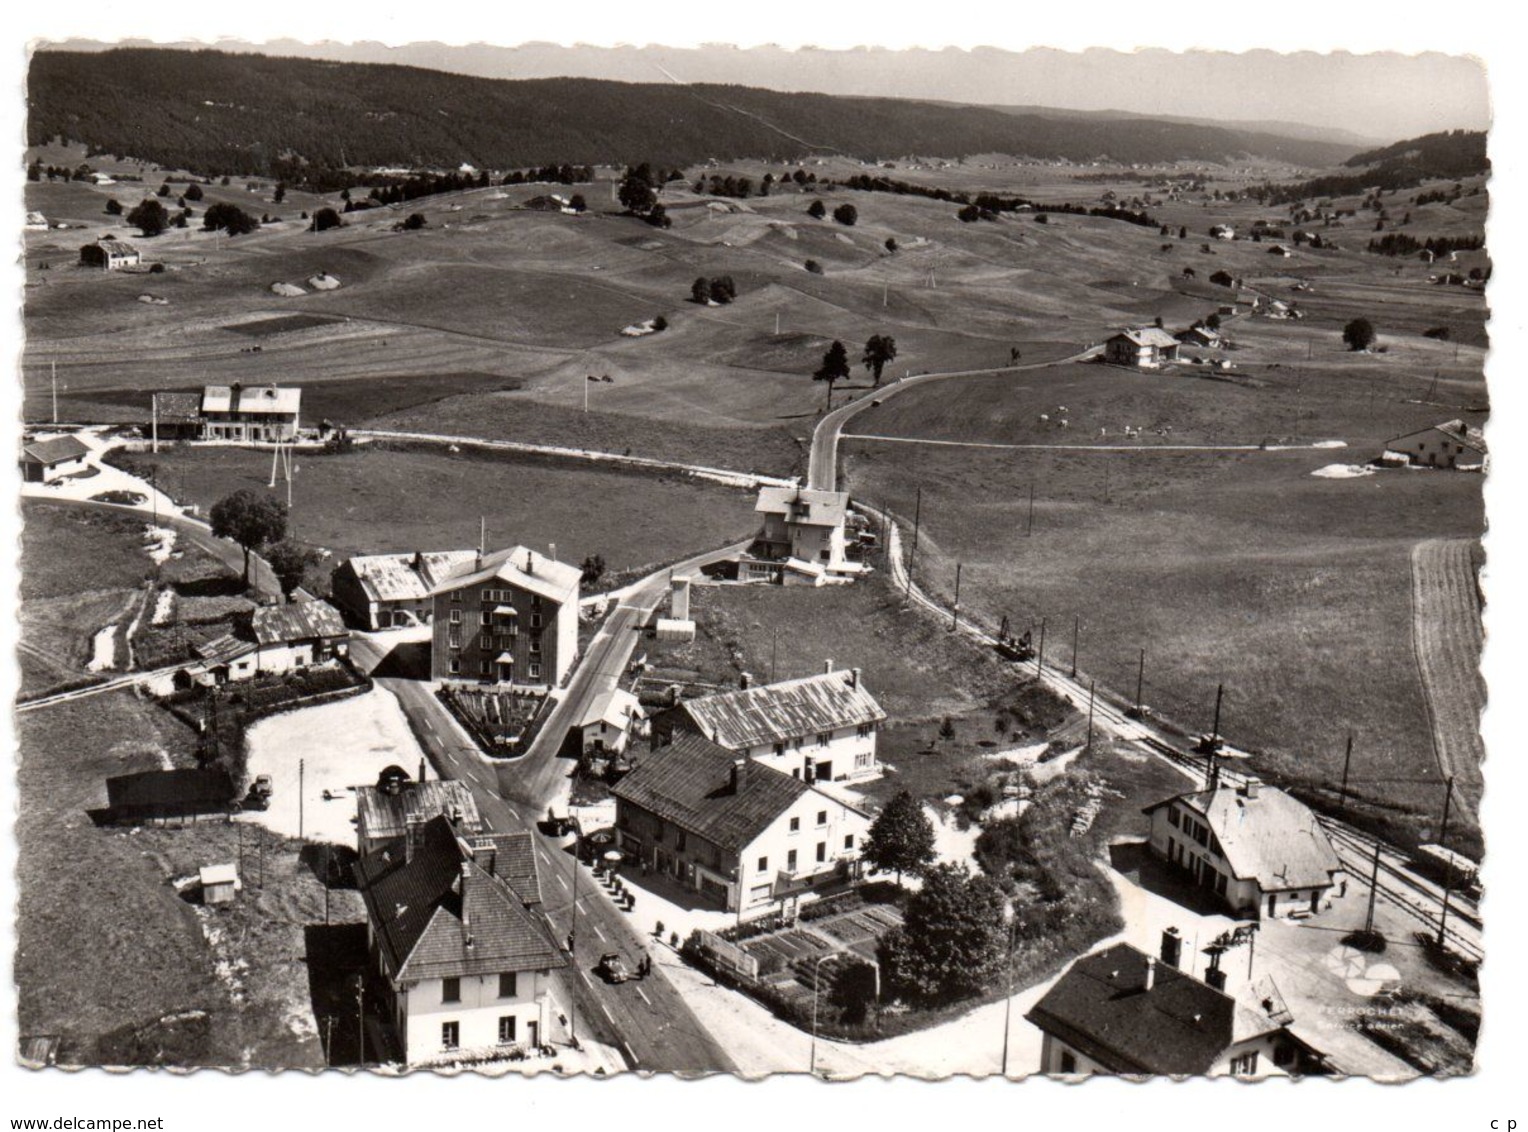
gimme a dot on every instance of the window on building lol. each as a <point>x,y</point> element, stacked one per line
<point>456,595</point>
<point>450,990</point>
<point>822,817</point>
<point>456,617</point>
<point>487,595</point>
<point>849,841</point>
<point>865,729</point>
<point>863,760</point>
<point>535,601</point>
<point>822,852</point>
<point>456,665</point>
<point>535,672</point>
<point>824,738</point>
<point>779,748</point>
<point>763,864</point>
<point>535,646</point>
<point>508,984</point>
<point>1244,1065</point>
<point>1172,816</point>
<point>450,1035</point>
<point>535,620</point>
<point>790,861</point>
<point>795,825</point>
<point>454,639</point>
<point>485,668</point>
<point>1068,1061</point>
<point>507,1030</point>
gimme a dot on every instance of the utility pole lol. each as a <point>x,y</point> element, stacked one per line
<point>1140,679</point>
<point>1220,690</point>
<point>1342,795</point>
<point>154,417</point>
<point>1373,891</point>
<point>774,652</point>
<point>912,556</point>
<point>1448,861</point>
<point>586,393</point>
<point>573,938</point>
<point>1029,524</point>
<point>777,324</point>
<point>360,1003</point>
<point>1013,931</point>
<point>955,612</point>
<point>1076,629</point>
<point>1090,715</point>
<point>1040,655</point>
<point>53,383</point>
<point>301,775</point>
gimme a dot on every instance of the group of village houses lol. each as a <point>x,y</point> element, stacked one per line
<point>744,797</point>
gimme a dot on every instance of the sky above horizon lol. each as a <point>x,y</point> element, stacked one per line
<point>1380,97</point>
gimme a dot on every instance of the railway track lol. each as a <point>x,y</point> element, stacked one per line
<point>1416,895</point>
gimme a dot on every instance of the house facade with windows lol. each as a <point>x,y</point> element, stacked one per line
<point>743,835</point>
<point>391,591</point>
<point>814,728</point>
<point>1451,444</point>
<point>1256,848</point>
<point>506,618</point>
<point>111,254</point>
<point>802,539</point>
<point>465,959</point>
<point>276,639</point>
<point>1145,348</point>
<point>265,414</point>
<point>1122,1011</point>
<point>607,726</point>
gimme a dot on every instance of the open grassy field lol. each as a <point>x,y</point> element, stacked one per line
<point>106,948</point>
<point>1240,568</point>
<point>396,498</point>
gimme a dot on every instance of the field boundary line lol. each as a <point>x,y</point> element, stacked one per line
<point>1091,447</point>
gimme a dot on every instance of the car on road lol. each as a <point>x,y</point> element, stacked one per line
<point>612,968</point>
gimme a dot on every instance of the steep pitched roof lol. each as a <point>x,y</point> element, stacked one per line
<point>274,399</point>
<point>1180,1027</point>
<point>178,406</point>
<point>445,913</point>
<point>54,450</point>
<point>403,577</point>
<point>296,621</point>
<point>521,568</point>
<point>616,707</point>
<point>804,505</point>
<point>690,783</point>
<point>1272,837</point>
<point>1148,336</point>
<point>776,713</point>
<point>1456,431</point>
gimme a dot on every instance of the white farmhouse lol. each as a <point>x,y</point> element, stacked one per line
<point>743,835</point>
<point>1451,444</point>
<point>814,728</point>
<point>466,961</point>
<point>802,539</point>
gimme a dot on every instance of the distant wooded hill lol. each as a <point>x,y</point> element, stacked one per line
<point>1454,153</point>
<point>217,113</point>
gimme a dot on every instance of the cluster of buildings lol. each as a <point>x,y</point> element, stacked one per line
<point>240,414</point>
<point>271,640</point>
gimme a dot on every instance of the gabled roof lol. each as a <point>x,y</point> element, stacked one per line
<point>169,789</point>
<point>521,568</point>
<point>54,450</point>
<point>791,709</point>
<point>450,910</point>
<point>178,406</point>
<point>386,816</point>
<point>690,783</point>
<point>1456,431</point>
<point>404,577</point>
<point>616,707</point>
<point>1148,336</point>
<point>223,649</point>
<point>1271,837</point>
<point>251,399</point>
<point>804,505</point>
<point>1179,1027</point>
<point>296,621</point>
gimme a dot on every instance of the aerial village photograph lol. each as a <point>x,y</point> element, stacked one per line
<point>554,561</point>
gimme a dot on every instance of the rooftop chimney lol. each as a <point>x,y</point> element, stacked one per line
<point>739,773</point>
<point>854,677</point>
<point>456,816</point>
<point>413,829</point>
<point>1250,787</point>
<point>827,665</point>
<point>466,906</point>
<point>745,680</point>
<point>530,565</point>
<point>486,854</point>
<point>551,551</point>
<point>421,769</point>
<point>1216,978</point>
<point>418,560</point>
<point>1151,973</point>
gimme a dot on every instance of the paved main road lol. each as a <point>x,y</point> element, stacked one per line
<point>822,469</point>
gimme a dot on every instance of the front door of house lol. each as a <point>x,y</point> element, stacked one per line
<point>1273,903</point>
<point>533,1034</point>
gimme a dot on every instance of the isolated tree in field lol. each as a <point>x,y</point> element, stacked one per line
<point>954,938</point>
<point>835,367</point>
<point>1359,334</point>
<point>194,191</point>
<point>149,217</point>
<point>289,561</point>
<point>280,194</point>
<point>879,349</point>
<point>324,219</point>
<point>658,217</point>
<point>817,210</point>
<point>700,291</point>
<point>164,189</point>
<point>1182,233</point>
<point>901,838</point>
<point>113,207</point>
<point>228,218</point>
<point>593,570</point>
<point>414,222</point>
<point>891,244</point>
<point>723,289</point>
<point>577,203</point>
<point>1213,321</point>
<point>813,266</point>
<point>846,214</point>
<point>636,192</point>
<point>969,214</point>
<point>250,519</point>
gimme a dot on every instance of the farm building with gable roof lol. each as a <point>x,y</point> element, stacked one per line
<point>1451,444</point>
<point>1144,348</point>
<point>110,253</point>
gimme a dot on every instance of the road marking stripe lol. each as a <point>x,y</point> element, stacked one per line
<point>627,1048</point>
<point>644,997</point>
<point>428,724</point>
<point>561,881</point>
<point>585,978</point>
<point>544,857</point>
<point>605,1010</point>
<point>597,931</point>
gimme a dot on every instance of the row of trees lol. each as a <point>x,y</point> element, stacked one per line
<point>846,214</point>
<point>879,349</point>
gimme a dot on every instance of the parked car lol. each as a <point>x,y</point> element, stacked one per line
<point>612,968</point>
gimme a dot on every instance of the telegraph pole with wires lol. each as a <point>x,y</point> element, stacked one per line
<point>1347,760</point>
<point>912,556</point>
<point>1448,860</point>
